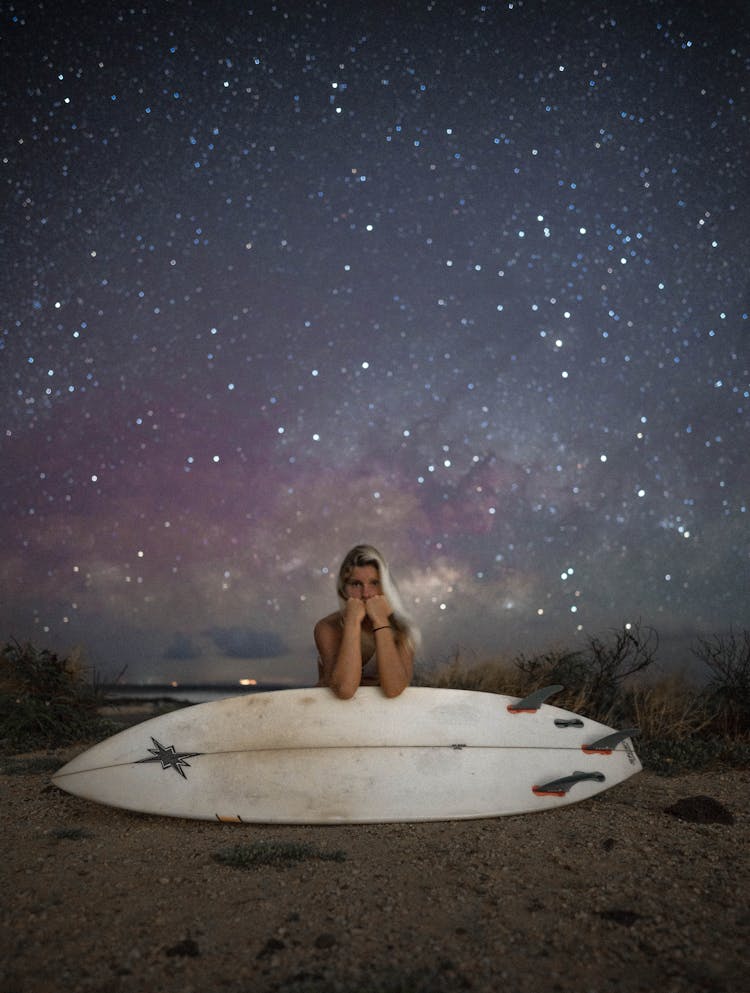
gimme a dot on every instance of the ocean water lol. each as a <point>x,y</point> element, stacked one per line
<point>188,692</point>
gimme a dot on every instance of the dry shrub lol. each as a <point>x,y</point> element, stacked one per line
<point>595,679</point>
<point>727,657</point>
<point>45,700</point>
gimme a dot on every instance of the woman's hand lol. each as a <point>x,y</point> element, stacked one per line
<point>378,610</point>
<point>354,610</point>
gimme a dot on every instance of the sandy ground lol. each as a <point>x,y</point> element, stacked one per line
<point>613,894</point>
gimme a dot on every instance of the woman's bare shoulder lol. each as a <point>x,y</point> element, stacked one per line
<point>330,621</point>
<point>329,626</point>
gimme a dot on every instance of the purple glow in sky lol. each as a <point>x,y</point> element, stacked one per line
<point>468,282</point>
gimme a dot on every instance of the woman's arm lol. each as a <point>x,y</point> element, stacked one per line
<point>395,659</point>
<point>341,652</point>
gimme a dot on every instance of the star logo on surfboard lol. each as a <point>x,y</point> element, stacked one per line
<point>169,757</point>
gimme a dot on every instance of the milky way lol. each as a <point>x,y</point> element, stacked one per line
<point>468,282</point>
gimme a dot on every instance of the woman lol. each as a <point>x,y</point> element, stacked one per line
<point>370,640</point>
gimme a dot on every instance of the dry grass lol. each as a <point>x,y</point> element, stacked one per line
<point>669,708</point>
<point>486,676</point>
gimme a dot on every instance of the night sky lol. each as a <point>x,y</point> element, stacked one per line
<point>468,281</point>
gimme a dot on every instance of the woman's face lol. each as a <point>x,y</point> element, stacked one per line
<point>363,583</point>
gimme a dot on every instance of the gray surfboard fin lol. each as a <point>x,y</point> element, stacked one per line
<point>559,787</point>
<point>607,744</point>
<point>531,703</point>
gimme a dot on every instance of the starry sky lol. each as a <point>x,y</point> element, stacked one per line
<point>465,280</point>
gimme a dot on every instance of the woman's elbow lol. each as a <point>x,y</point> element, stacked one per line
<point>343,691</point>
<point>394,689</point>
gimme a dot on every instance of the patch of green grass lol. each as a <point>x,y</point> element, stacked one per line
<point>671,756</point>
<point>737,754</point>
<point>69,833</point>
<point>275,853</point>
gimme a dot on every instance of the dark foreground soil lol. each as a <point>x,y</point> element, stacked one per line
<point>614,894</point>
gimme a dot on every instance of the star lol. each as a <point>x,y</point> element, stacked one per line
<point>488,314</point>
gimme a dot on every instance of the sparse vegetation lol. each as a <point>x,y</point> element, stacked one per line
<point>445,978</point>
<point>276,853</point>
<point>69,833</point>
<point>45,700</point>
<point>682,727</point>
<point>595,678</point>
<point>727,658</point>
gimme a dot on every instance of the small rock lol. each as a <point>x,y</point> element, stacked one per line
<point>325,940</point>
<point>701,810</point>
<point>271,946</point>
<point>608,844</point>
<point>185,948</point>
<point>626,918</point>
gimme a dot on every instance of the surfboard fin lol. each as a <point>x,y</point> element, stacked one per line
<point>574,722</point>
<point>531,703</point>
<point>607,744</point>
<point>560,787</point>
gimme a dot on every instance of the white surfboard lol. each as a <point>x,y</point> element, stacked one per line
<point>306,757</point>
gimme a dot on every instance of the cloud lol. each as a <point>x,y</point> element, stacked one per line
<point>247,643</point>
<point>182,648</point>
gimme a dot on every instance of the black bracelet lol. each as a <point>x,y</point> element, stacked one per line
<point>382,628</point>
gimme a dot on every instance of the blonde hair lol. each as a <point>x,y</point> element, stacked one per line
<point>362,555</point>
